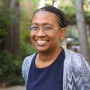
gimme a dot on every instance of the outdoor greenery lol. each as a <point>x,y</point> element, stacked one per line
<point>71,17</point>
<point>10,69</point>
<point>3,21</point>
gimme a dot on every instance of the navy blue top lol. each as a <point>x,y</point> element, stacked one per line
<point>47,78</point>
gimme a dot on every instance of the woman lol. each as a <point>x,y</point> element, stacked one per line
<point>52,67</point>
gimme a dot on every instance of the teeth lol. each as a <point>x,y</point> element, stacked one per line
<point>41,41</point>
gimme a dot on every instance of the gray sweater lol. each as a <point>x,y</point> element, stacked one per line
<point>76,71</point>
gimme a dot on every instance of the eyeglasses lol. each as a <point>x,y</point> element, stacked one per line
<point>45,29</point>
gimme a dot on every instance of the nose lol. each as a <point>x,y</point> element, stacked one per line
<point>40,33</point>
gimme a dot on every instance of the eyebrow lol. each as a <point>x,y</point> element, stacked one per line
<point>42,24</point>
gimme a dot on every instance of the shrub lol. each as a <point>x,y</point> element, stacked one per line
<point>9,68</point>
<point>26,49</point>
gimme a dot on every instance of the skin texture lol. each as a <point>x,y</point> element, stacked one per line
<point>49,49</point>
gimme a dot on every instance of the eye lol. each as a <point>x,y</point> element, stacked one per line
<point>34,27</point>
<point>47,28</point>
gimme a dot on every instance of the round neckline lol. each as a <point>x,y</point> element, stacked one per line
<point>48,65</point>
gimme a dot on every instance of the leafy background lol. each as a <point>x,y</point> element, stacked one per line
<point>10,69</point>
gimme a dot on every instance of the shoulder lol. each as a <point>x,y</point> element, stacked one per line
<point>26,65</point>
<point>27,60</point>
<point>77,67</point>
<point>74,57</point>
<point>75,63</point>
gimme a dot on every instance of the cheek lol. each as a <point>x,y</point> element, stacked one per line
<point>55,36</point>
<point>32,34</point>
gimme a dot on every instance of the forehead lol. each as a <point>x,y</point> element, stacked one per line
<point>44,17</point>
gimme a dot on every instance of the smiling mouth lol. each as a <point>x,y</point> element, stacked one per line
<point>41,42</point>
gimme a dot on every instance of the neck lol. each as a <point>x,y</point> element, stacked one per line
<point>44,59</point>
<point>50,55</point>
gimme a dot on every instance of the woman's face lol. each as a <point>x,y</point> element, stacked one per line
<point>46,41</point>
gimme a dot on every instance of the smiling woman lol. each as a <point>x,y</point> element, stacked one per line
<point>46,40</point>
<point>52,67</point>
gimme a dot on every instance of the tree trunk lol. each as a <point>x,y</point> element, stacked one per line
<point>8,36</point>
<point>84,49</point>
<point>16,20</point>
<point>89,29</point>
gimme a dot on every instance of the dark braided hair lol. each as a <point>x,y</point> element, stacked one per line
<point>62,20</point>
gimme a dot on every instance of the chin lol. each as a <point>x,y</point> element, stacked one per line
<point>41,49</point>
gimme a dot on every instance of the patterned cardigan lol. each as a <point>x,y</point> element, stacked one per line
<point>76,72</point>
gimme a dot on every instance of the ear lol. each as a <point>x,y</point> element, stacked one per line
<point>62,33</point>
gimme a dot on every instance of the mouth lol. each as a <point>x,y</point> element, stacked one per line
<point>41,42</point>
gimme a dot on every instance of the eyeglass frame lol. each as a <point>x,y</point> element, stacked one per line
<point>42,29</point>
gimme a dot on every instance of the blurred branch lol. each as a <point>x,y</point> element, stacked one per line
<point>53,2</point>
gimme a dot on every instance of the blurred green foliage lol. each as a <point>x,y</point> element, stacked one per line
<point>8,65</point>
<point>70,12</point>
<point>66,9</point>
<point>10,69</point>
<point>3,21</point>
<point>17,81</point>
<point>26,49</point>
<point>71,33</point>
